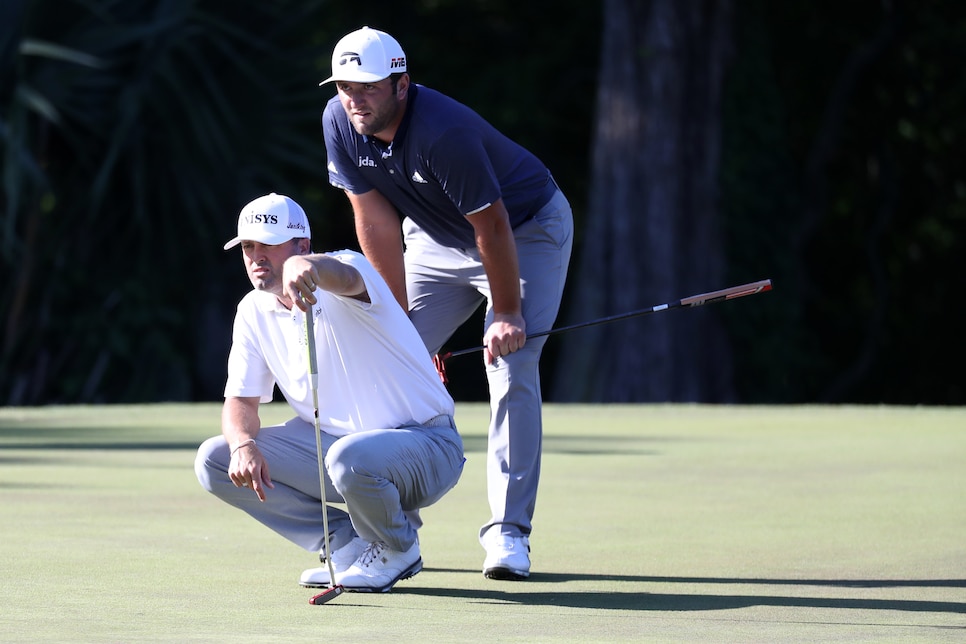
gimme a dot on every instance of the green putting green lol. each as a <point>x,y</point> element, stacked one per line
<point>655,523</point>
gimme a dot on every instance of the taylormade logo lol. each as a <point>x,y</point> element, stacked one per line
<point>348,57</point>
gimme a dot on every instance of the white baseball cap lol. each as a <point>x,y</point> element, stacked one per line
<point>272,219</point>
<point>365,56</point>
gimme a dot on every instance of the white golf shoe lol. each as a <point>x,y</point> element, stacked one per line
<point>342,558</point>
<point>378,568</point>
<point>507,557</point>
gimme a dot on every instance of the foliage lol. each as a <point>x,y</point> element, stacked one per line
<point>133,130</point>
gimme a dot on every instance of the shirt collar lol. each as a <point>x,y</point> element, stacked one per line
<point>268,303</point>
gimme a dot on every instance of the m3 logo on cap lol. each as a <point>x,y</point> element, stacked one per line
<point>349,56</point>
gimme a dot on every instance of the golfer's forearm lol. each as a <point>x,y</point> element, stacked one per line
<point>239,420</point>
<point>498,254</point>
<point>336,277</point>
<point>377,229</point>
<point>383,248</point>
<point>504,278</point>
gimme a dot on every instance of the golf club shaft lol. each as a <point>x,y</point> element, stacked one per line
<point>731,293</point>
<point>313,368</point>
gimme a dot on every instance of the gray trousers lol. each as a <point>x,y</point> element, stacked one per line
<point>445,286</point>
<point>383,476</point>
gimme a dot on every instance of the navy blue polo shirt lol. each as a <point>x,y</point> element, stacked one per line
<point>445,163</point>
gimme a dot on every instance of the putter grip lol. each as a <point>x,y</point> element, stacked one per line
<point>313,366</point>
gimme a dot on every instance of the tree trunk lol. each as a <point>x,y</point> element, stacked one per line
<point>651,233</point>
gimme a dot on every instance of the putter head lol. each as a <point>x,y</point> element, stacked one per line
<point>327,595</point>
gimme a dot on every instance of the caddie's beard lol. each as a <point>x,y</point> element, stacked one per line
<point>270,283</point>
<point>378,121</point>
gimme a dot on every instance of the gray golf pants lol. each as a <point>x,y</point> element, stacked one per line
<point>445,287</point>
<point>383,476</point>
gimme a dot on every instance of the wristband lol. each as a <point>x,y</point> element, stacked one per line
<point>250,441</point>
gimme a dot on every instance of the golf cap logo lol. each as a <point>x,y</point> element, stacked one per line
<point>350,56</point>
<point>256,219</point>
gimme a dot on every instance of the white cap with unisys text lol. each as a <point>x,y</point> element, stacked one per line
<point>273,219</point>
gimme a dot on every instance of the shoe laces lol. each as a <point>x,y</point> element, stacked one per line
<point>372,552</point>
<point>506,542</point>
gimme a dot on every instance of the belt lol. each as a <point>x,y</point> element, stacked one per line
<point>443,420</point>
<point>543,199</point>
<point>548,192</point>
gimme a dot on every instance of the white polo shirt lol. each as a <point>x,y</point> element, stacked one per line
<point>374,370</point>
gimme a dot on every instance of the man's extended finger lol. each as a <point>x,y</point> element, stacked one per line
<point>258,488</point>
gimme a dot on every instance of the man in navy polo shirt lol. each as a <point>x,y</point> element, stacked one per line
<point>482,219</point>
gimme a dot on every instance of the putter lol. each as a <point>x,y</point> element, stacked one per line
<point>334,590</point>
<point>730,293</point>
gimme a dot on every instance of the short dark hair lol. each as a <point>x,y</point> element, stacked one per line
<point>394,78</point>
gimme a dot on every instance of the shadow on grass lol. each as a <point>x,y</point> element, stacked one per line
<point>670,602</point>
<point>700,602</point>
<point>111,446</point>
<point>44,438</point>
<point>32,487</point>
<point>599,445</point>
<point>556,578</point>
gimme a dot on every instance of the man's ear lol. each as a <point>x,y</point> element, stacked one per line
<point>402,86</point>
<point>305,246</point>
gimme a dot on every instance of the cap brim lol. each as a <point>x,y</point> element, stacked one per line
<point>357,78</point>
<point>269,240</point>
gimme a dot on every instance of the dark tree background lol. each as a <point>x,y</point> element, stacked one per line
<point>840,179</point>
<point>652,232</point>
<point>702,144</point>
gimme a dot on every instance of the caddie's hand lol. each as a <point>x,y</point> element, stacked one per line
<point>300,278</point>
<point>506,334</point>
<point>249,468</point>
